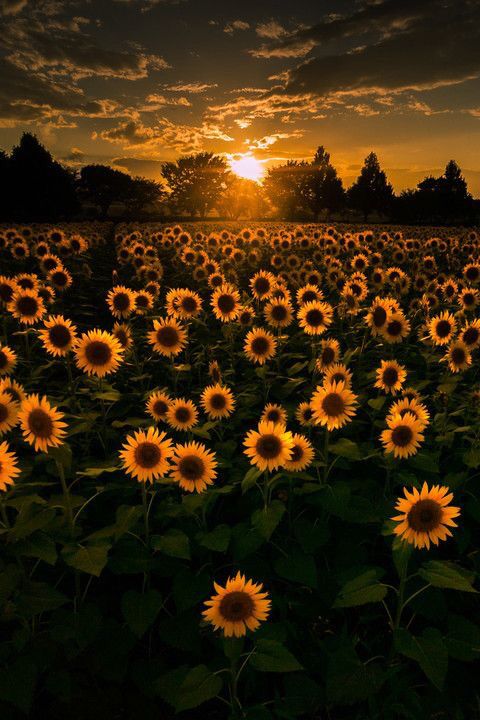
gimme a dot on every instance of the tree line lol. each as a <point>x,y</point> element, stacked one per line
<point>35,187</point>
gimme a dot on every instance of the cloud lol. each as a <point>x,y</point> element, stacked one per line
<point>266,105</point>
<point>268,140</point>
<point>195,87</point>
<point>12,7</point>
<point>271,30</point>
<point>235,25</point>
<point>156,102</point>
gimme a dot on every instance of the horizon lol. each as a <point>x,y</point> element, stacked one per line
<point>135,83</point>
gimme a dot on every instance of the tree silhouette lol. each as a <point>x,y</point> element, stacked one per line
<point>242,198</point>
<point>102,185</point>
<point>321,187</point>
<point>371,191</point>
<point>39,187</point>
<point>283,186</point>
<point>196,182</point>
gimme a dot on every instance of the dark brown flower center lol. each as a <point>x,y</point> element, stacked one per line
<point>328,355</point>
<point>59,278</point>
<point>333,404</point>
<point>471,335</point>
<point>260,345</point>
<point>262,285</point>
<point>183,414</point>
<point>167,336</point>
<point>394,328</point>
<point>122,337</point>
<point>3,360</point>
<point>469,299</point>
<point>314,317</point>
<point>191,467</point>
<point>218,401</point>
<point>40,423</point>
<point>6,292</point>
<point>379,316</point>
<point>3,412</point>
<point>27,305</point>
<point>160,407</point>
<point>390,376</point>
<point>279,312</point>
<point>269,446</point>
<point>273,416</point>
<point>402,435</point>
<point>297,453</point>
<point>59,336</point>
<point>425,515</point>
<point>142,301</point>
<point>236,606</point>
<point>309,296</point>
<point>226,303</point>
<point>443,328</point>
<point>458,356</point>
<point>189,304</point>
<point>472,273</point>
<point>121,301</point>
<point>147,455</point>
<point>98,352</point>
<point>307,414</point>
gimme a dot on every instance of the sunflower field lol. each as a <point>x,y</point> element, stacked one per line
<point>239,472</point>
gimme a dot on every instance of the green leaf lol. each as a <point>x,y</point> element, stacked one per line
<point>272,656</point>
<point>38,597</point>
<point>447,575</point>
<point>38,545</point>
<point>297,567</point>
<point>250,479</point>
<point>185,689</point>
<point>428,650</point>
<point>126,517</point>
<point>218,539</point>
<point>362,590</point>
<point>174,543</point>
<point>266,520</point>
<point>346,448</point>
<point>96,471</point>
<point>140,610</point>
<point>90,559</point>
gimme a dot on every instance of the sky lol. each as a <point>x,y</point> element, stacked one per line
<point>134,83</point>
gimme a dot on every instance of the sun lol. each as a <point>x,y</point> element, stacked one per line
<point>247,166</point>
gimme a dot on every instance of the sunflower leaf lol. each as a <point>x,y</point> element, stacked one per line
<point>447,575</point>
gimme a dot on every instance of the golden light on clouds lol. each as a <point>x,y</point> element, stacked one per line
<point>248,166</point>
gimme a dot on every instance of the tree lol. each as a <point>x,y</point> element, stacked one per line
<point>142,192</point>
<point>283,186</point>
<point>242,198</point>
<point>371,191</point>
<point>40,188</point>
<point>195,182</point>
<point>102,185</point>
<point>321,188</point>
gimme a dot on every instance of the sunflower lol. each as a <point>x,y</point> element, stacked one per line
<point>143,301</point>
<point>338,372</point>
<point>403,435</point>
<point>441,328</point>
<point>329,354</point>
<point>270,447</point>
<point>308,293</point>
<point>168,337</point>
<point>217,401</point>
<point>42,424</point>
<point>304,414</point>
<point>188,305</point>
<point>226,303</point>
<point>14,389</point>
<point>239,606</point>
<point>262,284</point>
<point>8,360</point>
<point>193,467</point>
<point>58,335</point>
<point>27,306</point>
<point>390,376</point>
<point>470,334</point>
<point>8,412</point>
<point>121,301</point>
<point>182,414</point>
<point>60,278</point>
<point>302,454</point>
<point>468,298</point>
<point>260,346</point>
<point>122,332</point>
<point>314,317</point>
<point>8,287</point>
<point>146,455</point>
<point>246,316</point>
<point>8,466</point>
<point>379,312</point>
<point>425,516</point>
<point>333,405</point>
<point>410,405</point>
<point>278,313</point>
<point>214,371</point>
<point>396,328</point>
<point>458,356</point>
<point>98,353</point>
<point>158,404</point>
<point>274,413</point>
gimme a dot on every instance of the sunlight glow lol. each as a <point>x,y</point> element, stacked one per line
<point>247,166</point>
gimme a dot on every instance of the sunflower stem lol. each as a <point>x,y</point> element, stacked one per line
<point>145,514</point>
<point>66,496</point>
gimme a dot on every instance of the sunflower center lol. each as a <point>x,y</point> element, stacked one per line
<point>379,316</point>
<point>279,312</point>
<point>390,376</point>
<point>98,353</point>
<point>307,414</point>
<point>167,336</point>
<point>147,454</point>
<point>471,335</point>
<point>297,453</point>
<point>262,286</point>
<point>6,293</point>
<point>338,377</point>
<point>27,305</point>
<point>189,304</point>
<point>40,423</point>
<point>443,328</point>
<point>182,414</point>
<point>458,356</point>
<point>269,446</point>
<point>468,299</point>
<point>3,360</point>
<point>236,606</point>
<point>218,401</point>
<point>160,407</point>
<point>328,355</point>
<point>121,301</point>
<point>59,278</point>
<point>226,303</point>
<point>273,416</point>
<point>472,273</point>
<point>191,467</point>
<point>59,335</point>
<point>141,301</point>
<point>122,337</point>
<point>3,412</point>
<point>402,435</point>
<point>425,515</point>
<point>314,318</point>
<point>394,328</point>
<point>260,345</point>
<point>333,404</point>
<point>309,296</point>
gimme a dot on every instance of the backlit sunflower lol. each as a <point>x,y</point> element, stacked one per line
<point>60,278</point>
<point>226,303</point>
<point>188,305</point>
<point>217,401</point>
<point>410,405</point>
<point>379,312</point>
<point>396,328</point>
<point>302,454</point>
<point>260,345</point>
<point>304,414</point>
<point>13,388</point>
<point>8,287</point>
<point>390,376</point>
<point>158,404</point>
<point>239,606</point>
<point>403,435</point>
<point>144,302</point>
<point>27,306</point>
<point>168,337</point>
<point>278,313</point>
<point>338,372</point>
<point>441,328</point>
<point>315,317</point>
<point>470,334</point>
<point>308,293</point>
<point>182,414</point>
<point>425,516</point>
<point>274,413</point>
<point>58,335</point>
<point>121,301</point>
<point>333,405</point>
<point>146,455</point>
<point>98,353</point>
<point>8,466</point>
<point>122,332</point>
<point>458,356</point>
<point>468,298</point>
<point>41,423</point>
<point>193,467</point>
<point>262,284</point>
<point>329,354</point>
<point>8,412</point>
<point>8,360</point>
<point>269,447</point>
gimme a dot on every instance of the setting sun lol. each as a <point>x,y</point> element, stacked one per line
<point>248,167</point>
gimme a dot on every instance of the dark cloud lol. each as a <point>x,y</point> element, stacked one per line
<point>12,7</point>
